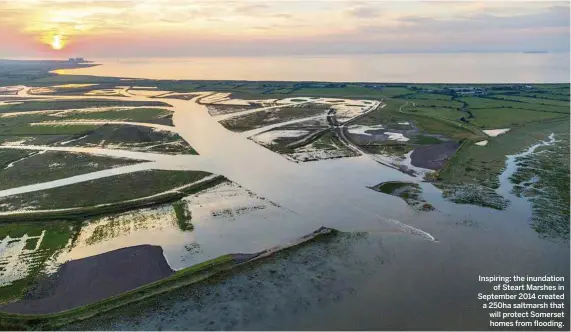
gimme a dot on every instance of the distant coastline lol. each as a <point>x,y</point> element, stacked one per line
<point>535,52</point>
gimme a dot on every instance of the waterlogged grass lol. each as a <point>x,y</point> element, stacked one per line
<point>113,189</point>
<point>53,165</point>
<point>149,295</point>
<point>130,137</point>
<point>148,115</point>
<point>543,177</point>
<point>272,116</point>
<point>473,194</point>
<point>32,130</point>
<point>183,216</point>
<point>74,104</point>
<point>31,262</point>
<point>8,156</point>
<point>471,176</point>
<point>483,164</point>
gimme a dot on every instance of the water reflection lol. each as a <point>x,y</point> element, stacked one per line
<point>418,68</point>
<point>222,217</point>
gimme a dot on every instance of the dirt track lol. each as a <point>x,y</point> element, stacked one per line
<point>91,279</point>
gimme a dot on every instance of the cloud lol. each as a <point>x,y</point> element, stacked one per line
<point>364,11</point>
<point>284,27</point>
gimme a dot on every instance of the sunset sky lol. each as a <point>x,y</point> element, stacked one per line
<point>165,28</point>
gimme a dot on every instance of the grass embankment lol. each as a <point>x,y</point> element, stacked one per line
<point>105,195</point>
<point>219,267</point>
<point>54,165</point>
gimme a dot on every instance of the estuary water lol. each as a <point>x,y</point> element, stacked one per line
<point>399,68</point>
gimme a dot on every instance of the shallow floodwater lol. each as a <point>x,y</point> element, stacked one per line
<point>414,68</point>
<point>381,278</point>
<point>378,278</point>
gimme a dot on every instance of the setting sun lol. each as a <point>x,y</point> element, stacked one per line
<point>56,43</point>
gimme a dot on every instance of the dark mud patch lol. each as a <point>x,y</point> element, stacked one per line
<point>88,280</point>
<point>433,156</point>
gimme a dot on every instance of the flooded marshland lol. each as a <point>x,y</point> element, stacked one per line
<point>390,258</point>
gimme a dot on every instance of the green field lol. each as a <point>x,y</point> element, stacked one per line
<point>547,96</point>
<point>537,100</point>
<point>439,103</point>
<point>352,92</point>
<point>431,96</point>
<point>478,103</point>
<point>492,118</point>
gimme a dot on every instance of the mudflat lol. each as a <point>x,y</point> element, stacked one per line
<point>88,280</point>
<point>433,156</point>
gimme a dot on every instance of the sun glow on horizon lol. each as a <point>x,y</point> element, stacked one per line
<point>57,42</point>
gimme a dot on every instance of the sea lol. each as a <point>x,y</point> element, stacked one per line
<point>398,68</point>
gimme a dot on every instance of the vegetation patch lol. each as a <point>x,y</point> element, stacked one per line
<point>219,268</point>
<point>272,116</point>
<point>183,216</point>
<point>411,193</point>
<point>145,115</point>
<point>118,188</point>
<point>25,258</point>
<point>54,165</point>
<point>543,177</point>
<point>130,137</point>
<point>43,105</point>
<point>8,156</point>
<point>473,194</point>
